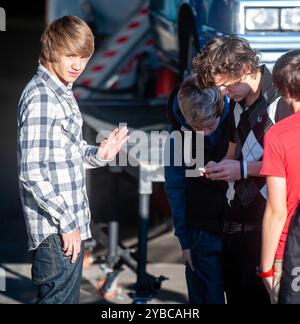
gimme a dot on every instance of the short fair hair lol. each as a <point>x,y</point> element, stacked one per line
<point>200,107</point>
<point>286,74</point>
<point>66,35</point>
<point>227,55</point>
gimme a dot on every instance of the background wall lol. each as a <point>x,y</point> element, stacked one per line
<point>25,23</point>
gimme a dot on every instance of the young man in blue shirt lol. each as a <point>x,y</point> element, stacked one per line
<point>197,203</point>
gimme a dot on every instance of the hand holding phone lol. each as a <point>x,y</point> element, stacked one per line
<point>202,172</point>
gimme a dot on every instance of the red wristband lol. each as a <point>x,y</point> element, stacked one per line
<point>266,274</point>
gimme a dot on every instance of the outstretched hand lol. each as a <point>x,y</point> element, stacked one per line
<point>110,147</point>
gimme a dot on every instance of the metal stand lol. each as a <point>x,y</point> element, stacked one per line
<point>147,285</point>
<point>144,207</point>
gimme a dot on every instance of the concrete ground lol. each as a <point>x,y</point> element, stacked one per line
<point>20,290</point>
<point>173,291</point>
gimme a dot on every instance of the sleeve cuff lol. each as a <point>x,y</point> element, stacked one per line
<point>100,159</point>
<point>93,158</point>
<point>184,242</point>
<point>68,224</point>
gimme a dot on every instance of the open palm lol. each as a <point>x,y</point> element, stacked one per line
<point>110,147</point>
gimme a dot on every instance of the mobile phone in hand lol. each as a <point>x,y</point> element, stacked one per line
<point>202,171</point>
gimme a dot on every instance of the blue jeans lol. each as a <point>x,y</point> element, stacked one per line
<point>205,285</point>
<point>57,279</point>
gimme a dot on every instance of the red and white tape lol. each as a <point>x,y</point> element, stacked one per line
<point>120,56</point>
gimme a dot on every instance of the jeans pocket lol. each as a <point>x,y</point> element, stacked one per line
<point>195,237</point>
<point>205,241</point>
<point>44,263</point>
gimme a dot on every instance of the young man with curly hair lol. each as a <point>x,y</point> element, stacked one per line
<point>232,65</point>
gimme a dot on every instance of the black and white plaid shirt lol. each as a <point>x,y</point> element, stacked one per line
<point>52,158</point>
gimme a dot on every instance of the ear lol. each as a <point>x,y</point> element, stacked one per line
<point>288,96</point>
<point>247,70</point>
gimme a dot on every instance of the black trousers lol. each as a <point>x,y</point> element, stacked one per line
<point>241,257</point>
<point>290,282</point>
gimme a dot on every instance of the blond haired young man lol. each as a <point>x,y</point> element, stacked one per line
<point>198,204</point>
<point>52,157</point>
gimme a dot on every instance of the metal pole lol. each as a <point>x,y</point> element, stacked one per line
<point>113,234</point>
<point>144,212</point>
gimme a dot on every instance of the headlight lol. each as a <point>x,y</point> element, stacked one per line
<point>262,19</point>
<point>290,19</point>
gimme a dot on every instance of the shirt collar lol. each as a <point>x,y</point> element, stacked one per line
<point>267,89</point>
<point>53,82</point>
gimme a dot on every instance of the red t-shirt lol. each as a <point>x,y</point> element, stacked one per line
<point>282,159</point>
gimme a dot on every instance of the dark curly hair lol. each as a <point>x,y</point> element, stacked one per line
<point>225,55</point>
<point>286,74</point>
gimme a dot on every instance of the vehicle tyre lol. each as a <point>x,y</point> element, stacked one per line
<point>188,50</point>
<point>143,78</point>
